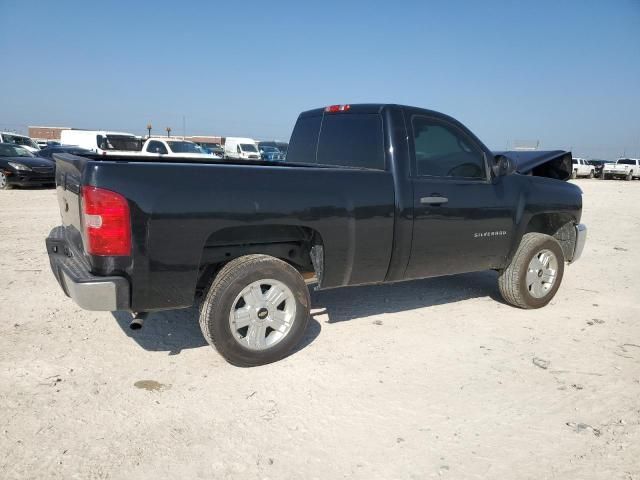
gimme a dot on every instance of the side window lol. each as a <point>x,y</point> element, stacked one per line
<point>443,151</point>
<point>156,147</point>
<point>304,140</point>
<point>351,140</point>
<point>238,149</point>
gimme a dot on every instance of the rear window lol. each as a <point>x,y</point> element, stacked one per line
<point>352,140</point>
<point>626,161</point>
<point>304,140</point>
<point>348,140</point>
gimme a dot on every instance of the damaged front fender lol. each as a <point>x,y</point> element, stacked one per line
<point>552,164</point>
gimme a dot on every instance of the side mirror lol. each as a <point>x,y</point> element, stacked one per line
<point>503,166</point>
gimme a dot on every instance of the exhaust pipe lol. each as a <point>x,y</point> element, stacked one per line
<point>138,320</point>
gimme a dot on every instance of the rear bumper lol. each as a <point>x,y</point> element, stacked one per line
<point>581,239</point>
<point>90,292</point>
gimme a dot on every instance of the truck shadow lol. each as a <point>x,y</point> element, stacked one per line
<point>176,330</point>
<point>344,304</point>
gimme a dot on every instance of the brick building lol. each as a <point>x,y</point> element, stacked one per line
<point>46,133</point>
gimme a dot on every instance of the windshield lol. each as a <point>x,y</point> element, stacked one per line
<point>120,142</point>
<point>212,146</point>
<point>248,147</point>
<point>9,150</point>
<point>270,149</point>
<point>184,147</point>
<point>19,140</point>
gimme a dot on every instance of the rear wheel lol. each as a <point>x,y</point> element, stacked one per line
<point>535,273</point>
<point>629,176</point>
<point>256,310</point>
<point>4,182</point>
<point>591,174</point>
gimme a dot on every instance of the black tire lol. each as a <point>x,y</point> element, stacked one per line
<point>4,182</point>
<point>512,280</point>
<point>227,285</point>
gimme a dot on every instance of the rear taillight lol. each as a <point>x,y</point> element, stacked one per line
<point>337,108</point>
<point>106,221</point>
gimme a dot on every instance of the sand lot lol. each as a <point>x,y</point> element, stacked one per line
<point>426,379</point>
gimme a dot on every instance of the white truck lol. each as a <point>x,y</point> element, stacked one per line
<point>627,168</point>
<point>167,147</point>
<point>582,168</point>
<point>103,142</point>
<point>239,148</point>
<point>20,140</point>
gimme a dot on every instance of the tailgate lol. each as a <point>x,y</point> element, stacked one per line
<point>69,170</point>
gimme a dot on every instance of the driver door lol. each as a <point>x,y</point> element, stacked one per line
<point>462,219</point>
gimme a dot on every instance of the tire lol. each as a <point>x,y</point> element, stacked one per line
<point>629,176</point>
<point>574,174</point>
<point>238,293</point>
<point>4,182</point>
<point>591,174</point>
<point>514,280</point>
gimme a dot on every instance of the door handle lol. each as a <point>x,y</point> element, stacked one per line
<point>434,200</point>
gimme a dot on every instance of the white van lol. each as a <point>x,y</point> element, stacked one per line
<point>241,148</point>
<point>21,140</point>
<point>103,142</point>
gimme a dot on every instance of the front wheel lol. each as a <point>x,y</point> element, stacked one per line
<point>535,273</point>
<point>256,310</point>
<point>4,182</point>
<point>629,176</point>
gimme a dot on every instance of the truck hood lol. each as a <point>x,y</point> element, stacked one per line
<point>552,164</point>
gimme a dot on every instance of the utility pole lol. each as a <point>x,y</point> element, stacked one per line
<point>168,129</point>
<point>149,127</point>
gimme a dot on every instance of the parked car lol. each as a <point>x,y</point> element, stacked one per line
<point>173,147</point>
<point>582,168</point>
<point>627,168</point>
<point>368,194</point>
<point>214,148</point>
<point>102,142</point>
<point>20,167</point>
<point>271,154</point>
<point>282,146</point>
<point>47,152</point>
<point>597,165</point>
<point>21,140</point>
<point>239,148</point>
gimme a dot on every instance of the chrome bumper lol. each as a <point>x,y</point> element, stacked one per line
<point>90,292</point>
<point>581,238</point>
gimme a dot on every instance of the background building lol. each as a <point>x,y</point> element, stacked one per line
<point>46,133</point>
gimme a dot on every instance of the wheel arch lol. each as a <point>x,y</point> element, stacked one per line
<point>298,245</point>
<point>560,225</point>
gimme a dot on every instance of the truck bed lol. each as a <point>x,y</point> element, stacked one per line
<point>184,211</point>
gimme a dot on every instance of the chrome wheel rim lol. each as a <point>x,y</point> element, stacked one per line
<point>262,314</point>
<point>542,273</point>
<point>3,180</point>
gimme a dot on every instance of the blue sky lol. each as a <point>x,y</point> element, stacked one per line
<point>566,73</point>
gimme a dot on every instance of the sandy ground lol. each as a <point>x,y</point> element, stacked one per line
<point>426,379</point>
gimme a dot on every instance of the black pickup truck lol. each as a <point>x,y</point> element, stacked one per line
<point>368,194</point>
